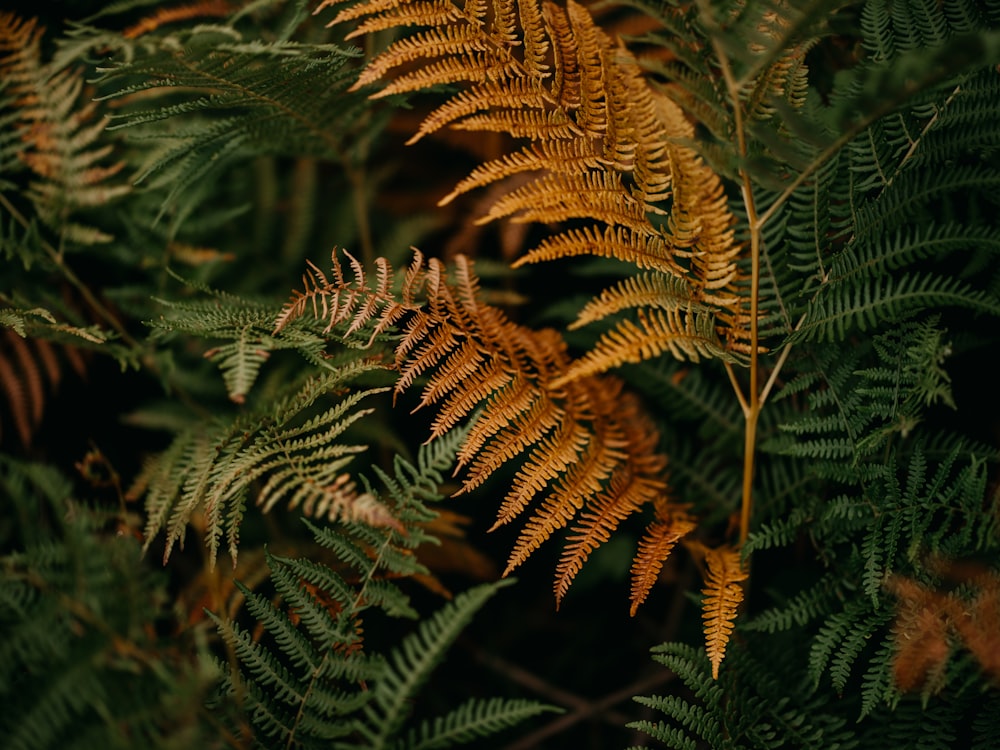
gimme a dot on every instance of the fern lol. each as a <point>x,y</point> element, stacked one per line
<point>96,675</point>
<point>312,682</point>
<point>291,446</point>
<point>583,438</point>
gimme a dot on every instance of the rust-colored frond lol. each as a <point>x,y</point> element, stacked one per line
<point>723,594</point>
<point>31,370</point>
<point>342,299</point>
<point>584,447</point>
<point>636,482</point>
<point>603,146</point>
<point>928,621</point>
<point>670,525</point>
<point>163,16</point>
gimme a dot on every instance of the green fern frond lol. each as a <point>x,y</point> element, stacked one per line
<point>331,689</point>
<point>246,326</point>
<point>209,95</point>
<point>95,675</point>
<point>843,307</point>
<point>470,721</point>
<point>292,445</point>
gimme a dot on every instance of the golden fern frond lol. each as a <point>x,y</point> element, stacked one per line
<point>723,594</point>
<point>585,444</point>
<point>603,146</point>
<point>653,290</point>
<point>636,482</point>
<point>684,333</point>
<point>670,525</point>
<point>641,249</point>
<point>58,137</point>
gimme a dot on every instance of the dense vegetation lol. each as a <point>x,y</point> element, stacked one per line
<point>696,344</point>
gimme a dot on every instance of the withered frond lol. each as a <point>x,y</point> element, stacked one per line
<point>584,447</point>
<point>651,290</point>
<point>341,299</point>
<point>928,621</point>
<point>604,147</point>
<point>670,525</point>
<point>684,333</point>
<point>724,574</point>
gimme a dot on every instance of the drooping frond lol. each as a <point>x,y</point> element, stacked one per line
<point>287,451</point>
<point>670,525</point>
<point>601,146</point>
<point>723,592</point>
<point>588,458</point>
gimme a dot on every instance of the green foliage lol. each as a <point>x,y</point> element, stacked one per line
<point>81,664</point>
<point>314,680</point>
<point>168,170</point>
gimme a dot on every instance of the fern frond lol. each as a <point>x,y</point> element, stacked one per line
<point>207,95</point>
<point>602,143</point>
<point>59,139</point>
<point>582,441</point>
<point>472,720</point>
<point>670,525</point>
<point>294,450</point>
<point>723,592</point>
<point>410,665</point>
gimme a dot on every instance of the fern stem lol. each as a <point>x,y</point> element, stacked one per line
<point>752,406</point>
<point>753,412</point>
<point>737,389</point>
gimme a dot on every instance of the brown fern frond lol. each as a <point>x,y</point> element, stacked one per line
<point>643,291</point>
<point>559,197</point>
<point>31,370</point>
<point>638,248</point>
<point>930,622</point>
<point>670,525</point>
<point>603,146</point>
<point>566,156</point>
<point>583,445</point>
<point>723,594</point>
<point>350,300</point>
<point>636,482</point>
<point>685,334</point>
<point>162,16</point>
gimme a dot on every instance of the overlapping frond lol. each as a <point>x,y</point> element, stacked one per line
<point>599,145</point>
<point>54,133</point>
<point>292,450</point>
<point>588,455</point>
